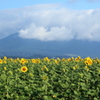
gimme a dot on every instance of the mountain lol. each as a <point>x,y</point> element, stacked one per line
<point>13,45</point>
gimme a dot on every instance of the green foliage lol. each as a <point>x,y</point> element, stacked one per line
<point>50,79</point>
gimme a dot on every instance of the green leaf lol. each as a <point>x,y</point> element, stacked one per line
<point>75,92</point>
<point>3,77</point>
<point>26,88</point>
<point>64,85</point>
<point>23,98</point>
<point>96,98</point>
<point>84,86</point>
<point>51,92</point>
<point>47,98</point>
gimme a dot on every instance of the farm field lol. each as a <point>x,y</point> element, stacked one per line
<point>50,79</point>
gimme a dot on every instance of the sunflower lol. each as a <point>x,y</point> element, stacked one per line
<point>33,61</point>
<point>45,77</point>
<point>54,96</point>
<point>0,61</point>
<point>24,69</point>
<point>56,61</point>
<point>46,59</point>
<point>4,62</point>
<point>5,58</point>
<point>23,61</point>
<point>88,61</point>
<point>77,59</point>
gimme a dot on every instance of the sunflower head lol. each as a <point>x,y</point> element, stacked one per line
<point>45,78</point>
<point>5,58</point>
<point>0,61</point>
<point>24,69</point>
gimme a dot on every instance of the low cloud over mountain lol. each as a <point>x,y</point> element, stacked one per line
<point>13,45</point>
<point>49,22</point>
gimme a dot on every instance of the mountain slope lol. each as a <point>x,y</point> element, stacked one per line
<point>13,45</point>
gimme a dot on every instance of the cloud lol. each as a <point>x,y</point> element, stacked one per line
<point>51,22</point>
<point>13,20</point>
<point>41,33</point>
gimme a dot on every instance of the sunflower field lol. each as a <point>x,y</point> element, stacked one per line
<point>50,79</point>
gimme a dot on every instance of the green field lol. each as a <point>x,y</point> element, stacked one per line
<point>50,79</point>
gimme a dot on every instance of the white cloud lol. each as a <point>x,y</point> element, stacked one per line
<point>51,22</point>
<point>41,33</point>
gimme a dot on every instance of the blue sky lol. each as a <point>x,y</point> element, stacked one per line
<point>49,20</point>
<point>73,4</point>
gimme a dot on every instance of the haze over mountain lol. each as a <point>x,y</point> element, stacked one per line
<point>13,45</point>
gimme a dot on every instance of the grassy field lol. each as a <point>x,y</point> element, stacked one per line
<point>50,79</point>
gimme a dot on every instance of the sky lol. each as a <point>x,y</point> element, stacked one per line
<point>49,20</point>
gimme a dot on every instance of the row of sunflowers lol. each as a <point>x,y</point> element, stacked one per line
<point>50,79</point>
